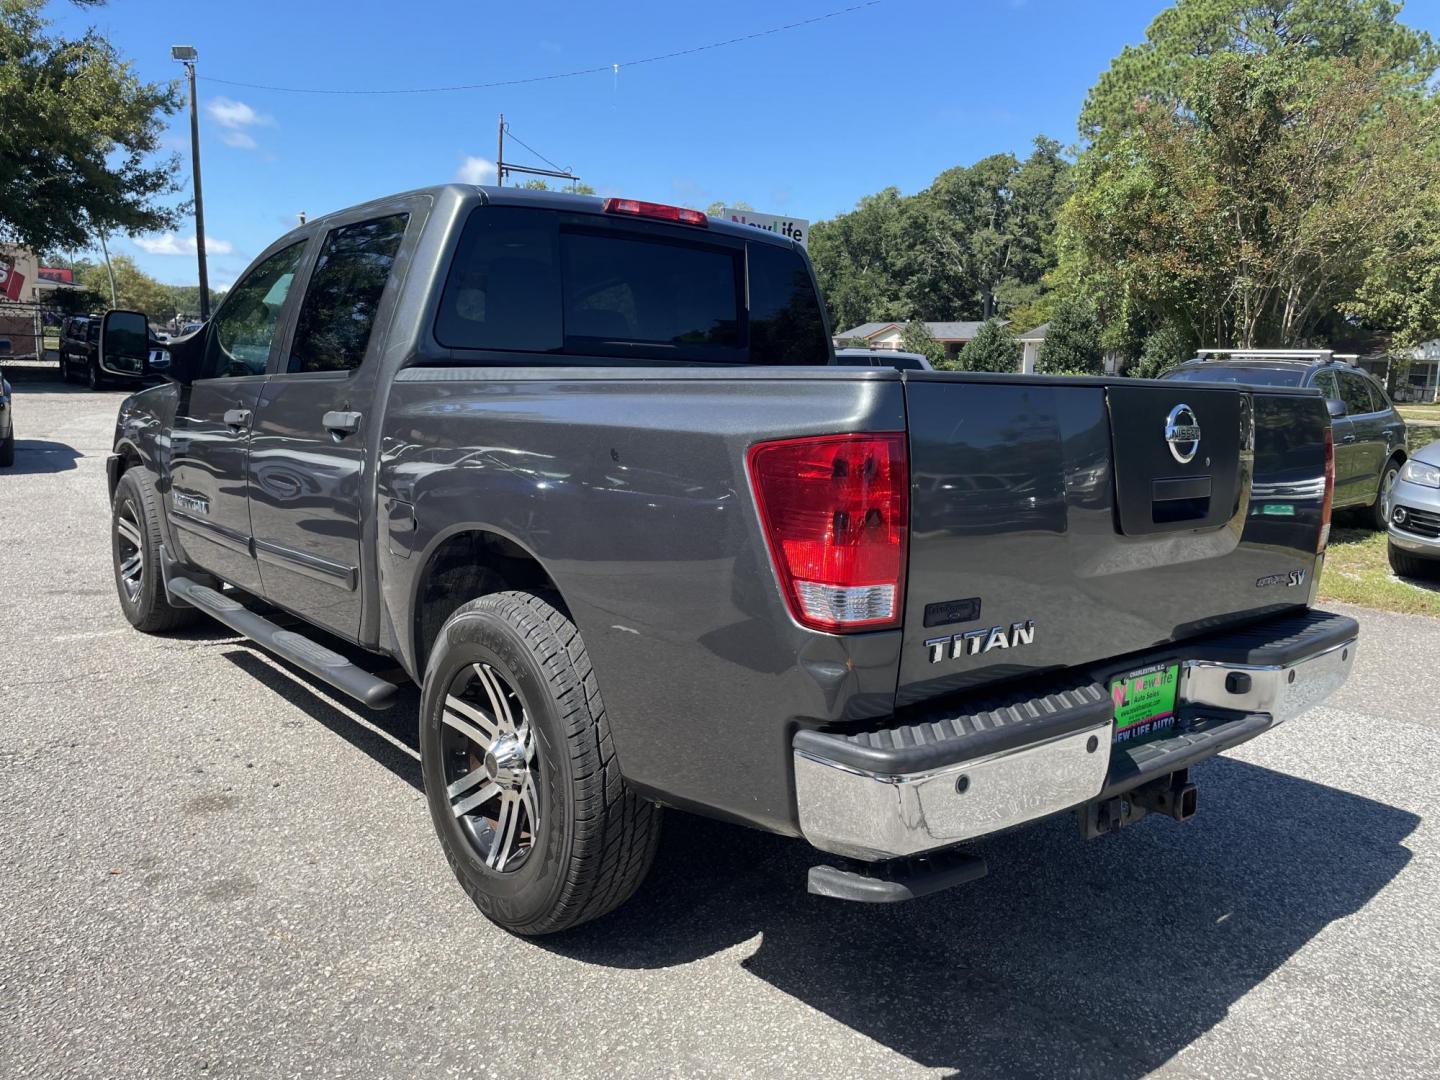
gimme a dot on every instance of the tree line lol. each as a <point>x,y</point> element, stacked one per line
<point>1256,173</point>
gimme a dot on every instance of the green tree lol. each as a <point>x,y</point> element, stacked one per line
<point>992,349</point>
<point>78,135</point>
<point>860,261</point>
<point>1256,176</point>
<point>1190,35</point>
<point>1072,344</point>
<point>715,207</point>
<point>916,338</point>
<point>1162,350</point>
<point>134,289</point>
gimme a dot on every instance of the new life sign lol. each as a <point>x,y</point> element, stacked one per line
<point>797,229</point>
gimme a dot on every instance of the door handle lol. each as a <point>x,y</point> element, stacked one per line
<point>341,423</point>
<point>237,418</point>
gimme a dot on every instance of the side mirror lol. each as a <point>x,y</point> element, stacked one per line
<point>125,347</point>
<point>1337,408</point>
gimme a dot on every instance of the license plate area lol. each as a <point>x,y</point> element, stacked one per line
<point>1144,702</point>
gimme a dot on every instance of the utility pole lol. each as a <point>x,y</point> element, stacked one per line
<point>187,55</point>
<point>109,271</point>
<point>500,154</point>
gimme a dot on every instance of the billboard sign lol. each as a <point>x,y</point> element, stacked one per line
<point>797,229</point>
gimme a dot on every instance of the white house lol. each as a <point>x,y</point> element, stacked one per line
<point>886,335</point>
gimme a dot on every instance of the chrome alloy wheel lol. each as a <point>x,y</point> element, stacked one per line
<point>490,767</point>
<point>131,547</point>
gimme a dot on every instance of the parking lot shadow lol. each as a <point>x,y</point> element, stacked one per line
<point>42,456</point>
<point>1100,959</point>
<point>400,722</point>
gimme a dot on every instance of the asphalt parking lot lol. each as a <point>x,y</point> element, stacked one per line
<point>211,868</point>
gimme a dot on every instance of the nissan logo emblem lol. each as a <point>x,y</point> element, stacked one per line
<point>1182,433</point>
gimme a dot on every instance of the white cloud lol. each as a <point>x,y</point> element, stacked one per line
<point>476,170</point>
<point>236,114</point>
<point>170,244</point>
<point>235,117</point>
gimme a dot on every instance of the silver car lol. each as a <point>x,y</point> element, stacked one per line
<point>1415,515</point>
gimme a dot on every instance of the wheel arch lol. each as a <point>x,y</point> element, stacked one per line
<point>463,562</point>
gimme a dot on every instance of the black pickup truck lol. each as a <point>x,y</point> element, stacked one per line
<point>587,471</point>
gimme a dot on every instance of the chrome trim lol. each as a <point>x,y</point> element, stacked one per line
<point>212,531</point>
<point>1416,545</point>
<point>866,815</point>
<point>1281,690</point>
<point>306,564</point>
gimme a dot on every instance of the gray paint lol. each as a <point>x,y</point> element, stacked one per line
<point>628,486</point>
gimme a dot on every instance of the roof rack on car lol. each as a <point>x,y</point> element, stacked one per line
<point>1310,355</point>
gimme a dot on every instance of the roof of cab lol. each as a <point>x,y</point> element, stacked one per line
<point>549,200</point>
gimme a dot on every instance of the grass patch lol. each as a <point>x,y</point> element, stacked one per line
<point>1419,414</point>
<point>1357,571</point>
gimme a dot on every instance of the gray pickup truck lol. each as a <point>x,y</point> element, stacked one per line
<point>586,470</point>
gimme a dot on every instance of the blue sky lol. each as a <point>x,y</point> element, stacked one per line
<point>803,122</point>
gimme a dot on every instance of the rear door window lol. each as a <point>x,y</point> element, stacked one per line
<point>344,295</point>
<point>543,282</point>
<point>1355,393</point>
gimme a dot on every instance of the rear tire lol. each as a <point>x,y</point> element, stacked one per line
<point>135,540</point>
<point>1381,510</point>
<point>93,377</point>
<point>64,369</point>
<point>513,662</point>
<point>1407,565</point>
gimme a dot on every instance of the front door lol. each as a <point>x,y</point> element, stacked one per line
<point>207,501</point>
<point>308,462</point>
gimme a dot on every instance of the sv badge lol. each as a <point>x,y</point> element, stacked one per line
<point>975,642</point>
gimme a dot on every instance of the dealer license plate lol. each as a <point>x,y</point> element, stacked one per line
<point>1145,701</point>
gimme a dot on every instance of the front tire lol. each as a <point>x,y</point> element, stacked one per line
<point>93,377</point>
<point>1407,565</point>
<point>135,540</point>
<point>64,369</point>
<point>520,774</point>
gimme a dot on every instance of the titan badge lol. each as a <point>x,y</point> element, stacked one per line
<point>975,642</point>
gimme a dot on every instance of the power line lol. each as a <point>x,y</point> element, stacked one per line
<point>560,74</point>
<point>511,132</point>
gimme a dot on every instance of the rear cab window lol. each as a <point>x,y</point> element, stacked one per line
<point>566,284</point>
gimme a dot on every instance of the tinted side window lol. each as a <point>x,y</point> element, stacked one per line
<point>503,291</point>
<point>344,294</point>
<point>241,331</point>
<point>1325,382</point>
<point>786,326</point>
<point>1354,393</point>
<point>1378,401</point>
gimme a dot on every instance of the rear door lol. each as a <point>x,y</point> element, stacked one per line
<point>308,464</point>
<point>1367,434</point>
<point>210,443</point>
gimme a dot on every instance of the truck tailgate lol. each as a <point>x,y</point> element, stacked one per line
<point>1059,522</point>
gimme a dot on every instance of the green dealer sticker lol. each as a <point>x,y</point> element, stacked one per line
<point>1145,700</point>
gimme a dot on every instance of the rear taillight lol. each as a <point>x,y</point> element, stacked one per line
<point>1329,502</point>
<point>836,511</point>
<point>659,211</point>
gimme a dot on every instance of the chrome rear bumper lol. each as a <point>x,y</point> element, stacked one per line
<point>852,804</point>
